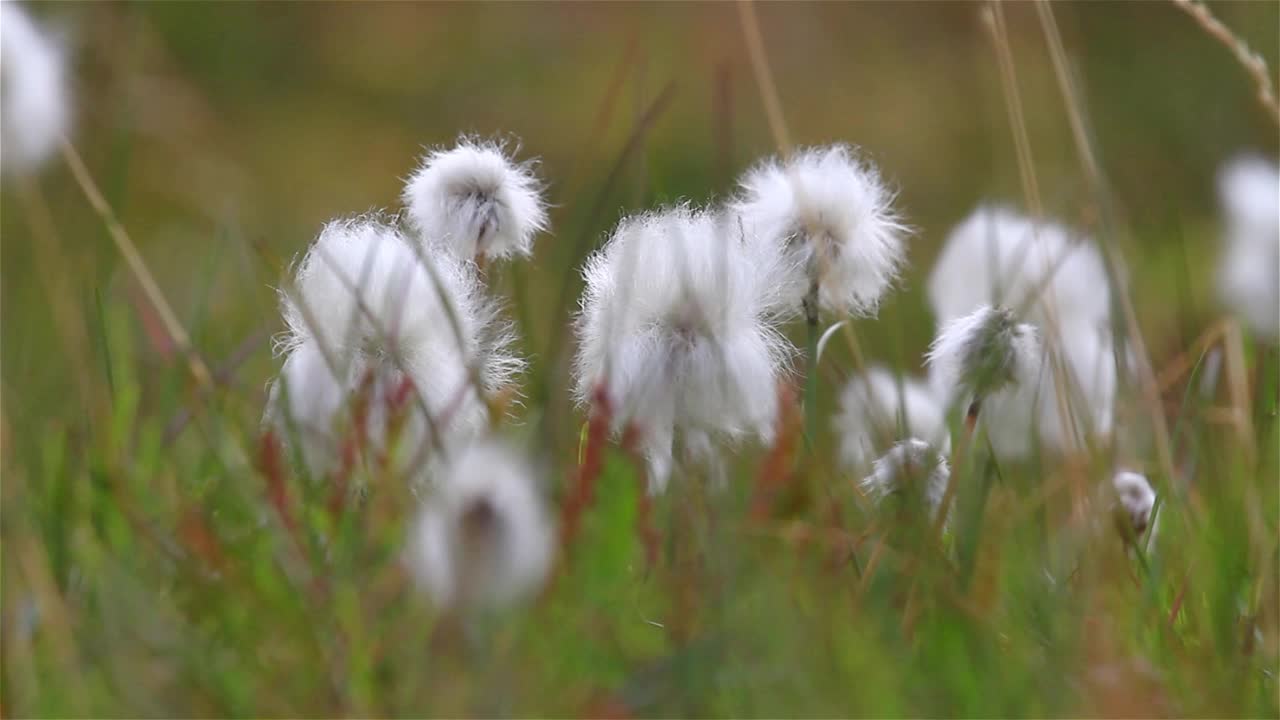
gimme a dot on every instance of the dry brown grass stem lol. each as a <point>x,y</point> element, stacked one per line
<point>993,15</point>
<point>764,76</point>
<point>1115,262</point>
<point>1252,62</point>
<point>173,328</point>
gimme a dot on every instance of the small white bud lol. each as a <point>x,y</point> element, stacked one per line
<point>910,467</point>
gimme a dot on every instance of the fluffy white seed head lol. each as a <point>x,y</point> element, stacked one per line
<point>1134,498</point>
<point>35,110</point>
<point>1249,271</point>
<point>368,312</point>
<point>476,202</point>
<point>879,408</point>
<point>998,257</point>
<point>832,212</point>
<point>911,467</point>
<point>483,539</point>
<point>678,326</point>
<point>984,353</point>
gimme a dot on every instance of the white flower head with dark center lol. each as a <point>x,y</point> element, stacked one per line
<point>879,408</point>
<point>1249,271</point>
<point>998,257</point>
<point>368,311</point>
<point>912,467</point>
<point>832,212</point>
<point>1135,499</point>
<point>984,353</point>
<point>476,202</point>
<point>35,100</point>
<point>678,326</point>
<point>483,539</point>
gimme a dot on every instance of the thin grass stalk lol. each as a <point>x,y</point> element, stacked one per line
<point>764,76</point>
<point>1252,62</point>
<point>1113,261</point>
<point>173,327</point>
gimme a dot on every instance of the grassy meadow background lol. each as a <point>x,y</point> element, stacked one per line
<point>152,567</point>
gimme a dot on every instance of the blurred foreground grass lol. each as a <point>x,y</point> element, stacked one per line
<point>154,563</point>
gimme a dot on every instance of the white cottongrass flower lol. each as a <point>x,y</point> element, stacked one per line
<point>1249,272</point>
<point>1135,499</point>
<point>678,327</point>
<point>366,310</point>
<point>483,539</point>
<point>984,353</point>
<point>833,214</point>
<point>910,466</point>
<point>998,257</point>
<point>476,202</point>
<point>878,408</point>
<point>36,108</point>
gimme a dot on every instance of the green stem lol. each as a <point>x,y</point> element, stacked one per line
<point>811,367</point>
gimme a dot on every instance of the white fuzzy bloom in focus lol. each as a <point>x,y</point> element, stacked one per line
<point>1249,272</point>
<point>476,202</point>
<point>35,101</point>
<point>912,465</point>
<point>833,214</point>
<point>367,312</point>
<point>984,353</point>
<point>879,408</point>
<point>483,539</point>
<point>1135,497</point>
<point>998,257</point>
<point>678,325</point>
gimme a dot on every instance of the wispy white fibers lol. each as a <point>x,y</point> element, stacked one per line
<point>1249,272</point>
<point>475,201</point>
<point>677,325</point>
<point>985,352</point>
<point>910,466</point>
<point>833,214</point>
<point>998,257</point>
<point>1058,277</point>
<point>367,312</point>
<point>879,408</point>
<point>483,539</point>
<point>1135,499</point>
<point>36,107</point>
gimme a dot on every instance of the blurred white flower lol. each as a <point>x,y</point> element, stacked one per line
<point>678,325</point>
<point>1085,406</point>
<point>983,353</point>
<point>483,539</point>
<point>476,202</point>
<point>367,311</point>
<point>1249,272</point>
<point>35,100</point>
<point>879,408</point>
<point>997,257</point>
<point>1135,498</point>
<point>833,214</point>
<point>910,466</point>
